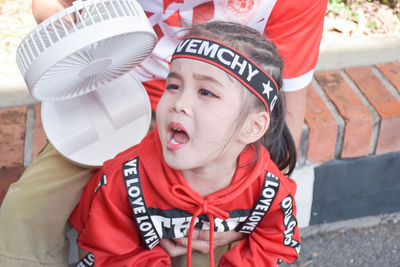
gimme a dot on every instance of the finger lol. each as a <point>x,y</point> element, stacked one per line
<point>220,238</point>
<point>181,241</point>
<point>201,246</point>
<point>201,235</point>
<point>225,238</point>
<point>172,248</point>
<point>200,240</point>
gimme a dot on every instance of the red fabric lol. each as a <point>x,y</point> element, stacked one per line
<point>182,192</point>
<point>296,29</point>
<point>294,26</point>
<point>106,227</point>
<point>155,89</point>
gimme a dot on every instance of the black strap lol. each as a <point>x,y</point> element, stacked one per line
<point>87,261</point>
<point>136,200</point>
<point>267,196</point>
<point>290,223</point>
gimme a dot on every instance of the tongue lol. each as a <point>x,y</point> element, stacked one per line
<point>181,137</point>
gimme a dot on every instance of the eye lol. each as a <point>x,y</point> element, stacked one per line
<point>172,87</point>
<point>205,92</point>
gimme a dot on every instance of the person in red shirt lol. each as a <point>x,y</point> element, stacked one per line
<point>213,162</point>
<point>294,26</point>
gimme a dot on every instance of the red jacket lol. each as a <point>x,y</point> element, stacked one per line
<point>136,199</point>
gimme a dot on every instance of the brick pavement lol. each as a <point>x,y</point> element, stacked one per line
<point>350,112</point>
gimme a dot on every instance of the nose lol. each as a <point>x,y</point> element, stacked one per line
<point>182,103</point>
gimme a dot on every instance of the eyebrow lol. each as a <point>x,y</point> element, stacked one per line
<point>197,76</point>
<point>174,75</point>
<point>206,78</point>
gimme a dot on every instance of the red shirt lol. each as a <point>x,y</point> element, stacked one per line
<point>136,199</point>
<point>294,26</point>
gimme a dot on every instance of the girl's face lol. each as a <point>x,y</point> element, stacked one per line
<point>197,116</point>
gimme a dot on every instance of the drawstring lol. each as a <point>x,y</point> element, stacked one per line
<point>185,194</point>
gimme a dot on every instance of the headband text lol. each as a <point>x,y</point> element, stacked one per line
<point>234,62</point>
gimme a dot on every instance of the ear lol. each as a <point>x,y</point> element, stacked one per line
<point>254,128</point>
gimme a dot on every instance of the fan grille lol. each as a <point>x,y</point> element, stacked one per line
<point>63,24</point>
<point>72,68</point>
<point>93,65</point>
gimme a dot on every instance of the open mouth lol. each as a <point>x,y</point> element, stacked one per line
<point>177,136</point>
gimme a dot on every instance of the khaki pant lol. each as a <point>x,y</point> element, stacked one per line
<point>35,211</point>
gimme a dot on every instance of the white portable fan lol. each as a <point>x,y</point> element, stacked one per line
<point>77,62</point>
<point>95,127</point>
<point>84,47</point>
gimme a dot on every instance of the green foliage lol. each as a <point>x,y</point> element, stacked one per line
<point>372,25</point>
<point>335,6</point>
<point>338,7</point>
<point>353,16</point>
<point>341,7</point>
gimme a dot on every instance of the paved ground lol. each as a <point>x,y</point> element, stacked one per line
<point>377,245</point>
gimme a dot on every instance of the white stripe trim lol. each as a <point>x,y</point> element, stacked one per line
<point>294,84</point>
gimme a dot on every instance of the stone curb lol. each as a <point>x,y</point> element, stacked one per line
<point>345,225</point>
<point>340,53</point>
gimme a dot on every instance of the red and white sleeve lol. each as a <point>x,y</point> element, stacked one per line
<point>296,29</point>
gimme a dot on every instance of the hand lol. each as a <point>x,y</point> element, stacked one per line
<point>172,248</point>
<point>178,246</point>
<point>43,9</point>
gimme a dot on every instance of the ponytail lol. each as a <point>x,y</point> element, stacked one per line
<point>279,141</point>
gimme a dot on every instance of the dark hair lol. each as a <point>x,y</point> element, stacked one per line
<point>277,139</point>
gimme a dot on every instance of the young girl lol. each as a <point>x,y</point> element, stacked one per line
<point>208,164</point>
